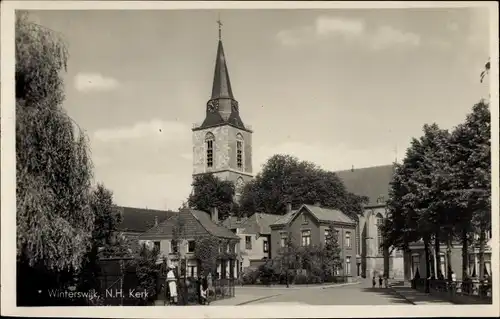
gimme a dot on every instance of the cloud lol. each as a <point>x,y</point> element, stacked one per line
<point>329,157</point>
<point>86,82</point>
<point>154,129</point>
<point>387,36</point>
<point>353,30</point>
<point>328,25</point>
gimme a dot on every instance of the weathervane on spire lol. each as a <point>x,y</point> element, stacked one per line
<point>220,27</point>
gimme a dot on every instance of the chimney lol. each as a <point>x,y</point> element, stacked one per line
<point>215,215</point>
<point>288,207</point>
<point>317,204</point>
<point>156,220</point>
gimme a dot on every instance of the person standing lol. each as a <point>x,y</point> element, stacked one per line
<point>374,283</point>
<point>203,290</point>
<point>380,281</point>
<point>172,284</point>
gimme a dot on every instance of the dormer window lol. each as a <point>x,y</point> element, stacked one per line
<point>304,219</point>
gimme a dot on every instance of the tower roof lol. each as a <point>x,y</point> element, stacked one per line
<point>221,87</point>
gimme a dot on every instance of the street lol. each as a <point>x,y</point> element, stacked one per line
<point>355,294</point>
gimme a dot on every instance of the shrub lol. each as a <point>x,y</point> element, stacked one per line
<point>266,273</point>
<point>250,276</point>
<point>300,279</point>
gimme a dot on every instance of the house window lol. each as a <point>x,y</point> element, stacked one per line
<point>358,241</point>
<point>304,219</point>
<point>327,233</point>
<point>415,265</point>
<point>174,245</point>
<point>157,245</point>
<point>472,265</point>
<point>231,268</point>
<point>487,264</point>
<point>283,239</point>
<point>379,234</point>
<point>223,269</point>
<point>191,246</point>
<point>239,151</point>
<point>348,239</point>
<point>337,234</point>
<point>266,246</point>
<point>248,242</point>
<point>306,238</point>
<point>209,140</point>
<point>348,265</point>
<point>192,271</point>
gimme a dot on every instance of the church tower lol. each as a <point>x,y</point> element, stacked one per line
<point>222,144</point>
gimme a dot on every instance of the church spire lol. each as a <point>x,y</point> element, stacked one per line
<point>222,108</point>
<point>221,87</point>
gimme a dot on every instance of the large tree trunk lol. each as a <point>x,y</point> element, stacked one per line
<point>427,264</point>
<point>437,257</point>
<point>482,244</point>
<point>386,261</point>
<point>465,254</point>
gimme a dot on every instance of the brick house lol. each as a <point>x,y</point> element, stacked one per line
<point>309,226</point>
<point>195,225</point>
<point>255,237</point>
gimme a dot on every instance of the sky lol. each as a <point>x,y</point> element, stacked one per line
<point>341,88</point>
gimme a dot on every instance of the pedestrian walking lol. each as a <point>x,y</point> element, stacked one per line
<point>380,281</point>
<point>172,285</point>
<point>374,283</point>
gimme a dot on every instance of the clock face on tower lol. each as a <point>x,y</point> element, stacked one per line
<point>213,106</point>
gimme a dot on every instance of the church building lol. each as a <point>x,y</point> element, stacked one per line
<point>222,144</point>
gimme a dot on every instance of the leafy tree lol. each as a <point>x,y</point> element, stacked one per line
<point>206,252</point>
<point>442,188</point>
<point>434,207</point>
<point>470,172</point>
<point>147,270</point>
<point>285,179</point>
<point>210,249</point>
<point>287,256</point>
<point>405,205</point>
<point>105,239</point>
<point>331,253</point>
<point>210,191</point>
<point>53,168</point>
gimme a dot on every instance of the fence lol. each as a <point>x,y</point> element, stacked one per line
<point>466,292</point>
<point>187,290</point>
<point>118,284</point>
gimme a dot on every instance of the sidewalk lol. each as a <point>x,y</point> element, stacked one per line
<point>416,297</point>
